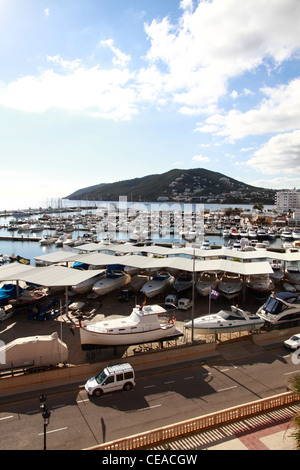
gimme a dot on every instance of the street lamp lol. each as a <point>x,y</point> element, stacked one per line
<point>46,415</point>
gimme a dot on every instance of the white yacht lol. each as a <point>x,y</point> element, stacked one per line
<point>226,321</point>
<point>157,285</point>
<point>292,274</point>
<point>112,281</point>
<point>260,285</point>
<point>208,280</point>
<point>184,281</point>
<point>281,308</point>
<point>47,240</point>
<point>145,324</point>
<point>278,273</point>
<point>230,285</point>
<point>85,286</point>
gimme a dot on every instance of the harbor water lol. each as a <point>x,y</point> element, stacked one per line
<point>27,243</point>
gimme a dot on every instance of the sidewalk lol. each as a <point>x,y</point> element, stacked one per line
<point>270,431</point>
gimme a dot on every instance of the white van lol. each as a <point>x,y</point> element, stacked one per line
<point>112,378</point>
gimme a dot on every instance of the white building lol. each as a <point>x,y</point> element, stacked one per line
<point>287,200</point>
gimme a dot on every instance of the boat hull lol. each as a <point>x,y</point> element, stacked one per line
<point>90,338</point>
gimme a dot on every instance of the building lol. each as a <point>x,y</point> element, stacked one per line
<point>287,200</point>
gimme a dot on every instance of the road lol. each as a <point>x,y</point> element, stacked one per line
<point>160,398</point>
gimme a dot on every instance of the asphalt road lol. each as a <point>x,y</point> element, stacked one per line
<point>161,397</point>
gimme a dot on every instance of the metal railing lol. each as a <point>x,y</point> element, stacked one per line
<point>202,423</point>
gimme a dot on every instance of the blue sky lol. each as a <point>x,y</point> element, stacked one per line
<point>97,91</point>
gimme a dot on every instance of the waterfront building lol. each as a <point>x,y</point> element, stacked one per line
<point>287,200</point>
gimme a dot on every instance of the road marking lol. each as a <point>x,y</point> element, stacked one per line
<point>54,430</point>
<point>188,378</point>
<point>293,372</point>
<point>149,386</point>
<point>170,382</point>
<point>149,407</point>
<point>82,401</point>
<point>6,417</point>
<point>228,388</point>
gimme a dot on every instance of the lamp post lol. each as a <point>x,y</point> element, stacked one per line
<point>46,415</point>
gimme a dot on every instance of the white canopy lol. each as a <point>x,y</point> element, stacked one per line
<point>49,276</point>
<point>176,262</point>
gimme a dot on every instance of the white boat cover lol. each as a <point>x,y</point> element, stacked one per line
<point>33,351</point>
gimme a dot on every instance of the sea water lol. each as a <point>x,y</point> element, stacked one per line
<point>31,249</point>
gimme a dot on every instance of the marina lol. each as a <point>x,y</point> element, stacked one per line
<point>100,264</point>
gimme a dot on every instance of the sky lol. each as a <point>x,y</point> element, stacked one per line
<point>98,91</point>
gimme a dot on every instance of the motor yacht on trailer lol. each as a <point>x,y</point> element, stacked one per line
<point>226,321</point>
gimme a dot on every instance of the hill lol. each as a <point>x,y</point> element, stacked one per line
<point>195,185</point>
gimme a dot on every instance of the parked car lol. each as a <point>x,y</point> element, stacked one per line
<point>125,295</point>
<point>293,342</point>
<point>184,304</point>
<point>171,301</point>
<point>112,378</point>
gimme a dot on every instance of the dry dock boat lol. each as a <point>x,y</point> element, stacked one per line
<point>144,324</point>
<point>226,321</point>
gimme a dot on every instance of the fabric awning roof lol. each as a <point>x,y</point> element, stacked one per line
<point>223,252</point>
<point>48,276</point>
<point>175,262</point>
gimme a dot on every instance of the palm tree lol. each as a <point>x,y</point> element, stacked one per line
<point>295,386</point>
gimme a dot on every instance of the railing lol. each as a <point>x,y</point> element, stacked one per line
<point>199,424</point>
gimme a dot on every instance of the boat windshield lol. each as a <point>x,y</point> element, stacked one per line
<point>100,377</point>
<point>274,306</point>
<point>234,315</point>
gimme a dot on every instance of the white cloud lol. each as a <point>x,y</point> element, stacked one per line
<point>201,158</point>
<point>47,12</point>
<point>278,111</point>
<point>281,154</point>
<point>120,58</point>
<point>220,40</point>
<point>75,88</point>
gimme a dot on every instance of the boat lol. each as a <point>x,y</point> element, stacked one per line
<point>205,244</point>
<point>296,234</point>
<point>281,308</point>
<point>278,273</point>
<point>146,323</point>
<point>157,285</point>
<point>252,233</point>
<point>28,299</point>
<point>286,235</point>
<point>232,320</point>
<point>230,285</point>
<point>112,281</point>
<point>9,292</point>
<point>234,233</point>
<point>85,286</point>
<point>34,351</point>
<point>183,282</point>
<point>292,274</point>
<point>226,233</point>
<point>47,240</point>
<point>260,285</point>
<point>208,280</point>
